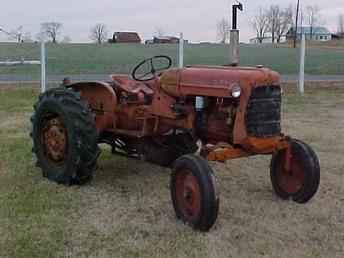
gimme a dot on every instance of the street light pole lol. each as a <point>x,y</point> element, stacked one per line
<point>297,21</point>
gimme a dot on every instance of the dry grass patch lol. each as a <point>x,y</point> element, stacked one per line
<point>126,210</point>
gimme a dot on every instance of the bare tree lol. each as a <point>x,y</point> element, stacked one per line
<point>312,17</point>
<point>17,34</point>
<point>160,32</point>
<point>99,33</point>
<point>260,24</point>
<point>341,25</point>
<point>284,22</point>
<point>273,15</point>
<point>51,30</point>
<point>279,21</point>
<point>223,30</point>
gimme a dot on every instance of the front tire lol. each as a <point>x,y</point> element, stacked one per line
<point>64,137</point>
<point>194,194</point>
<point>302,181</point>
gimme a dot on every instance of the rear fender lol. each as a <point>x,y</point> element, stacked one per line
<point>102,100</point>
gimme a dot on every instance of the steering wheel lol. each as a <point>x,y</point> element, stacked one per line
<point>153,70</point>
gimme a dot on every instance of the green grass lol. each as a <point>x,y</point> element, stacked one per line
<point>18,100</point>
<point>121,58</point>
<point>126,210</point>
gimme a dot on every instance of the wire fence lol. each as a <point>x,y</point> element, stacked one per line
<point>85,62</point>
<point>79,62</point>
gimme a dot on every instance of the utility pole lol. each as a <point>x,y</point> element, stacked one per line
<point>297,22</point>
<point>234,35</point>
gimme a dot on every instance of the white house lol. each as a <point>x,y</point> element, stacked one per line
<point>315,33</point>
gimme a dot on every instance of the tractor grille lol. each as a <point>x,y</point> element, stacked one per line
<point>263,116</point>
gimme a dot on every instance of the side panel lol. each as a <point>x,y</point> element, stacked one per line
<point>103,101</point>
<point>215,81</point>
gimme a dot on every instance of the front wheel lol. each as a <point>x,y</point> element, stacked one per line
<point>194,194</point>
<point>298,180</point>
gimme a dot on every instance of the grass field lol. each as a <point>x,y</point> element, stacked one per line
<point>92,59</point>
<point>126,210</point>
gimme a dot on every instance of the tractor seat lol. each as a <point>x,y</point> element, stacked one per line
<point>133,91</point>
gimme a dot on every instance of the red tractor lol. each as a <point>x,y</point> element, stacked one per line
<point>180,118</point>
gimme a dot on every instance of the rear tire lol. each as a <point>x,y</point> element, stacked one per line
<point>64,137</point>
<point>302,182</point>
<point>194,193</point>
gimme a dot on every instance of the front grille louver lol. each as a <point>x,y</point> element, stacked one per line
<point>263,115</point>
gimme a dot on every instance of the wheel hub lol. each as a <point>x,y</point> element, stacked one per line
<point>291,180</point>
<point>55,139</point>
<point>188,195</point>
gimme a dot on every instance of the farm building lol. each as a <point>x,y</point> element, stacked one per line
<point>165,40</point>
<point>126,37</point>
<point>315,33</point>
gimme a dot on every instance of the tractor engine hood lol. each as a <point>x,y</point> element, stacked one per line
<point>215,81</point>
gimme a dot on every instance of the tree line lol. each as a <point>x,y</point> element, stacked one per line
<point>276,21</point>
<point>51,31</point>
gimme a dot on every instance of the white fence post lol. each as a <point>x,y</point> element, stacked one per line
<point>43,70</point>
<point>302,65</point>
<point>181,50</point>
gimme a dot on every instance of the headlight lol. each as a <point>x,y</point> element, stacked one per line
<point>236,91</point>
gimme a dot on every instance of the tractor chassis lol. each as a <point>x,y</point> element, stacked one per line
<point>137,147</point>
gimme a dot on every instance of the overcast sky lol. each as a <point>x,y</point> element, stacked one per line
<point>197,19</point>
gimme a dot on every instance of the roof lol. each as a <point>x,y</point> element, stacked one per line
<point>167,38</point>
<point>127,36</point>
<point>307,30</point>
